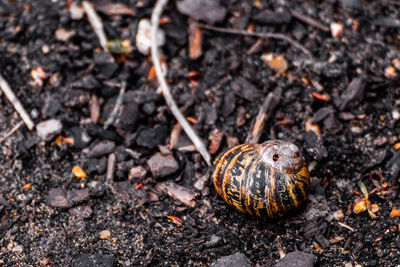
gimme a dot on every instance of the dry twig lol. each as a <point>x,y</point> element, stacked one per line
<point>155,18</point>
<point>264,35</point>
<point>96,23</point>
<point>270,102</point>
<point>313,22</point>
<point>13,130</point>
<point>117,106</point>
<point>5,87</point>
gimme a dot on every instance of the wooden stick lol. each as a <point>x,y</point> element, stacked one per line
<point>155,18</point>
<point>313,22</point>
<point>13,130</point>
<point>117,106</point>
<point>264,35</point>
<point>96,23</point>
<point>5,87</point>
<point>270,102</point>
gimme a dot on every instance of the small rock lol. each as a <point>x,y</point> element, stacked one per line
<point>79,195</point>
<point>76,12</point>
<point>93,260</point>
<point>162,165</point>
<point>214,240</point>
<point>47,130</point>
<point>82,211</point>
<point>99,132</point>
<point>75,98</point>
<point>63,35</point>
<point>124,191</point>
<point>128,116</point>
<point>17,249</point>
<point>336,29</point>
<point>105,63</point>
<point>152,137</point>
<point>50,107</point>
<point>377,156</point>
<point>317,207</point>
<point>57,197</point>
<point>80,137</point>
<point>245,89</point>
<point>137,172</point>
<point>354,93</point>
<point>314,144</point>
<point>297,259</point>
<point>322,113</point>
<point>235,260</point>
<point>229,103</point>
<point>209,11</point>
<point>353,3</point>
<point>99,149</point>
<point>332,124</point>
<point>393,165</point>
<point>3,202</point>
<point>88,82</point>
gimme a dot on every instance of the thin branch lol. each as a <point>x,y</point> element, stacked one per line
<point>264,35</point>
<point>117,106</point>
<point>5,87</point>
<point>96,23</point>
<point>155,18</point>
<point>313,22</point>
<point>270,102</point>
<point>12,131</point>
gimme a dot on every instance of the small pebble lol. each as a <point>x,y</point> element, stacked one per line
<point>297,259</point>
<point>336,29</point>
<point>47,130</point>
<point>235,260</point>
<point>162,165</point>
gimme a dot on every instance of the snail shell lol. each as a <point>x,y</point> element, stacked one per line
<point>267,180</point>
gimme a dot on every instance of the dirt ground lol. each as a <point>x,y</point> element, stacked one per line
<point>339,83</point>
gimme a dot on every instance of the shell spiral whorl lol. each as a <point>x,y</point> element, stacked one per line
<point>267,180</point>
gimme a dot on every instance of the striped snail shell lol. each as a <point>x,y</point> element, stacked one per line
<point>267,180</point>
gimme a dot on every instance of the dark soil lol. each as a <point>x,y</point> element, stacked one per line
<point>49,216</point>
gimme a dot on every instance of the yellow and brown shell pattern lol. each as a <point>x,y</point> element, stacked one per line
<point>267,180</point>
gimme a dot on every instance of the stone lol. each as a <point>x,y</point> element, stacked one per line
<point>297,259</point>
<point>93,260</point>
<point>47,130</point>
<point>162,165</point>
<point>99,149</point>
<point>235,260</point>
<point>57,197</point>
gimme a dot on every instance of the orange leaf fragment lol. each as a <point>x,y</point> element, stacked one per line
<point>68,140</point>
<point>191,119</point>
<point>395,213</point>
<point>27,186</point>
<point>152,74</point>
<point>313,127</point>
<point>175,220</point>
<point>78,172</point>
<point>277,63</point>
<point>138,186</point>
<point>323,97</point>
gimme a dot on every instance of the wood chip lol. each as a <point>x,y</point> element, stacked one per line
<point>183,194</point>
